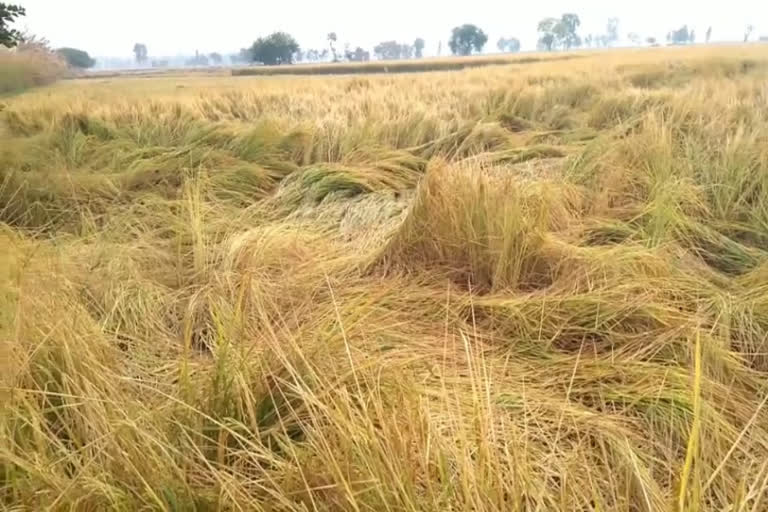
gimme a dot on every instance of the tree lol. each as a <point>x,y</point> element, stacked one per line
<point>387,50</point>
<point>635,38</point>
<point>708,36</point>
<point>216,58</point>
<point>566,31</point>
<point>332,43</point>
<point>313,55</point>
<point>547,28</point>
<point>418,47</point>
<point>76,58</point>
<point>612,31</point>
<point>650,40</point>
<point>242,57</point>
<point>359,55</point>
<point>511,45</point>
<point>546,42</point>
<point>680,36</point>
<point>392,50</point>
<point>276,48</point>
<point>748,32</point>
<point>140,51</point>
<point>8,13</point>
<point>466,38</point>
<point>559,33</point>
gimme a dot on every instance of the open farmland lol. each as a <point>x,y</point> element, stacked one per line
<point>397,66</point>
<point>538,286</point>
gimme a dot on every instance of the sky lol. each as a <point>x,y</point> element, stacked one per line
<point>180,27</point>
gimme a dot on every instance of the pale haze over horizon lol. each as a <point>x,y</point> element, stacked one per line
<point>176,27</point>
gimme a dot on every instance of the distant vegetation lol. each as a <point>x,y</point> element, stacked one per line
<point>280,48</point>
<point>402,66</point>
<point>20,71</point>
<point>559,33</point>
<point>216,58</point>
<point>467,39</point>
<point>418,47</point>
<point>392,50</point>
<point>198,60</point>
<point>31,62</point>
<point>76,58</point>
<point>508,45</point>
<point>682,36</point>
<point>277,48</point>
<point>140,52</point>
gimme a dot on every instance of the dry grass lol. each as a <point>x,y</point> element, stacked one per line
<point>20,71</point>
<point>399,66</point>
<point>537,287</point>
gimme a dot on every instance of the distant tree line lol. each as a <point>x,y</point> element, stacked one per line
<point>560,33</point>
<point>281,48</point>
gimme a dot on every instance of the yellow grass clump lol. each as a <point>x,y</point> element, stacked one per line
<point>536,286</point>
<point>24,69</point>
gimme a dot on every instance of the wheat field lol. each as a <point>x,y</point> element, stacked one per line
<point>533,287</point>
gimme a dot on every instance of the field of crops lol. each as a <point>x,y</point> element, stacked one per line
<point>527,287</point>
<point>399,66</point>
<point>21,71</point>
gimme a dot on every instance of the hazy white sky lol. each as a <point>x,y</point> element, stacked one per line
<point>172,27</point>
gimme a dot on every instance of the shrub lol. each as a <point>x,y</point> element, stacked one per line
<point>76,58</point>
<point>19,71</point>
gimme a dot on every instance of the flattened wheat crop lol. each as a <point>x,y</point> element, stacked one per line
<point>520,287</point>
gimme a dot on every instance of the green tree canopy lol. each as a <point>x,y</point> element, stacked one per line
<point>466,39</point>
<point>276,48</point>
<point>76,58</point>
<point>8,13</point>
